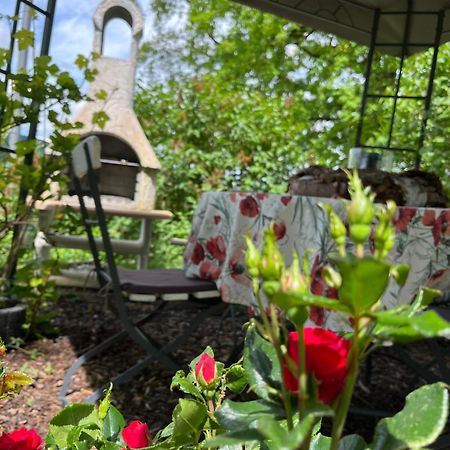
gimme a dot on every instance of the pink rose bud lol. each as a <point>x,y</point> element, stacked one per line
<point>136,435</point>
<point>205,370</point>
<point>21,439</point>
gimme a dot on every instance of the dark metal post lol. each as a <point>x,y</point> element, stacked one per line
<point>373,38</point>
<point>427,106</point>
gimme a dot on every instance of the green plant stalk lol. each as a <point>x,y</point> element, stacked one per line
<point>262,311</point>
<point>302,375</point>
<point>346,395</point>
<point>275,335</point>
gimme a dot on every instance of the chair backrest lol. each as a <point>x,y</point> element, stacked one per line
<point>85,161</point>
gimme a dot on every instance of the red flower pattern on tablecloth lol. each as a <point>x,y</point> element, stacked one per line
<point>280,230</point>
<point>440,225</point>
<point>217,219</point>
<point>286,199</point>
<point>236,267</point>
<point>261,195</point>
<point>209,271</point>
<point>403,218</point>
<point>216,248</point>
<point>198,254</point>
<point>249,207</point>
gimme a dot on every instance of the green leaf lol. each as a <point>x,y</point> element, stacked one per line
<point>236,378</point>
<point>364,280</point>
<point>320,442</point>
<point>353,442</point>
<point>105,404</point>
<point>113,424</point>
<point>400,273</point>
<point>185,385</point>
<point>403,328</point>
<point>233,438</point>
<point>240,415</point>
<point>420,422</point>
<point>261,364</point>
<point>188,417</point>
<point>100,118</point>
<point>288,301</point>
<point>71,417</point>
<point>25,38</point>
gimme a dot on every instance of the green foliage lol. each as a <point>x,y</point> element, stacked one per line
<point>233,98</point>
<point>44,92</point>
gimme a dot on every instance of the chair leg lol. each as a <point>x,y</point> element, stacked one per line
<point>146,342</point>
<point>105,345</point>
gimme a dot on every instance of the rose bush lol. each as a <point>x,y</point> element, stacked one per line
<point>296,378</point>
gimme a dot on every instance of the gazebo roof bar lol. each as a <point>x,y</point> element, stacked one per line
<point>353,19</point>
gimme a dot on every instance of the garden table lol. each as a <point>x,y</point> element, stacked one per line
<point>216,245</point>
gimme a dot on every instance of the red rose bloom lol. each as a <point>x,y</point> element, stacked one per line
<point>326,360</point>
<point>209,271</point>
<point>21,439</point>
<point>249,207</point>
<point>205,370</point>
<point>136,435</point>
<point>198,254</point>
<point>216,247</point>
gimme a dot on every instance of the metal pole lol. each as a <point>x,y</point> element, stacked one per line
<point>427,106</point>
<point>373,38</point>
<point>400,71</point>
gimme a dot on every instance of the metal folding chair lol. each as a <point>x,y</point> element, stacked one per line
<point>119,282</point>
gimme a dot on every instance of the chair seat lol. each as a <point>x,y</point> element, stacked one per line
<point>161,281</point>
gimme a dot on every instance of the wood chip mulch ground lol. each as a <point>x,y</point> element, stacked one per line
<point>84,321</point>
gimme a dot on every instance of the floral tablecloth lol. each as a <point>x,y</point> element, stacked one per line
<point>216,246</point>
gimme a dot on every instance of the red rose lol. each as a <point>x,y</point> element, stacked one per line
<point>198,254</point>
<point>21,439</point>
<point>136,435</point>
<point>249,207</point>
<point>205,370</point>
<point>280,230</point>
<point>209,271</point>
<point>216,247</point>
<point>326,360</point>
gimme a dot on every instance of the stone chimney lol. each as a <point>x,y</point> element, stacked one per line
<point>123,139</point>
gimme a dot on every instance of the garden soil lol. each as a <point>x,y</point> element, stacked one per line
<point>84,321</point>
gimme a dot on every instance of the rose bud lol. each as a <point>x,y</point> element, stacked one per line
<point>205,371</point>
<point>136,435</point>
